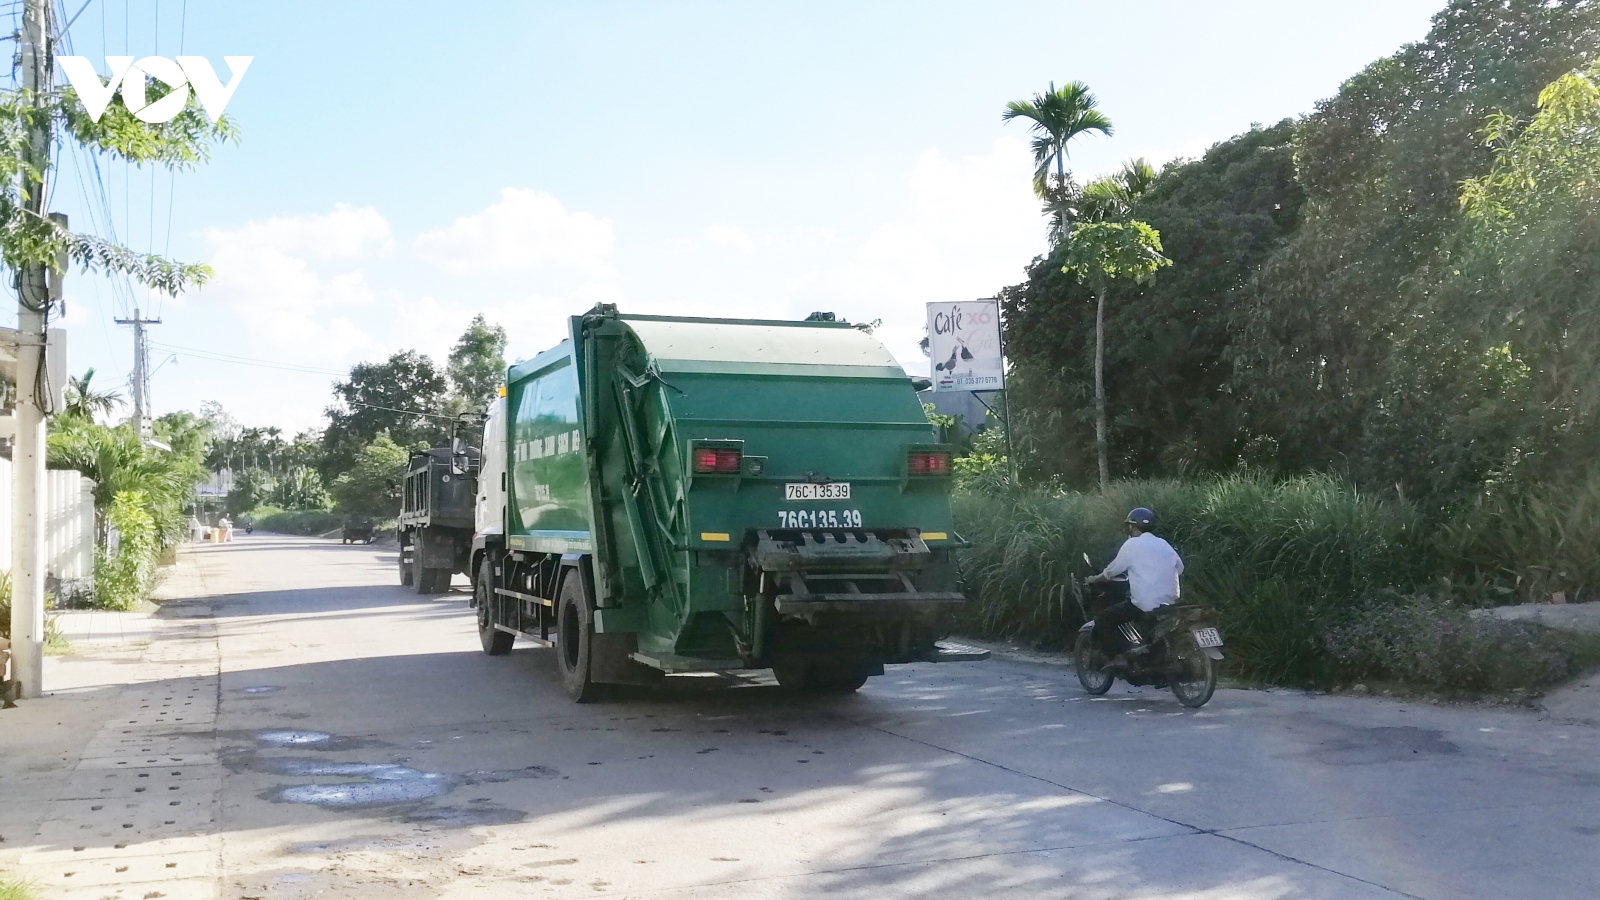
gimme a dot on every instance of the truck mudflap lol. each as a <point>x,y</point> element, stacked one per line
<point>850,572</point>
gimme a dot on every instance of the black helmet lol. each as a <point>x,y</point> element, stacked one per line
<point>1141,517</point>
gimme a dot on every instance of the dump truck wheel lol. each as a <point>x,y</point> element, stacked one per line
<point>405,570</point>
<point>421,578</point>
<point>575,640</point>
<point>495,641</point>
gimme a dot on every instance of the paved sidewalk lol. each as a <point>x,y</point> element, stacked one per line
<point>104,626</point>
<point>117,767</point>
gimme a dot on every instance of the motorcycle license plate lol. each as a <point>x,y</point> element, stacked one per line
<point>1208,637</point>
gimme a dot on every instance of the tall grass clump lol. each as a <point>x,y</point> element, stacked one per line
<point>1276,558</point>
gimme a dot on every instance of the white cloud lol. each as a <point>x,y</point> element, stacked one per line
<point>345,233</point>
<point>525,229</point>
<point>971,227</point>
<point>730,236</point>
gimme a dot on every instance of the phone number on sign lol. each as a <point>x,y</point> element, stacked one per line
<point>819,518</point>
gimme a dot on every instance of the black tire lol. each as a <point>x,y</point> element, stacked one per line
<point>1089,661</point>
<point>575,639</point>
<point>495,641</point>
<point>421,578</point>
<point>816,678</point>
<point>1190,672</point>
<point>405,570</point>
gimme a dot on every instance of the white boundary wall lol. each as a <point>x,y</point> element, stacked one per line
<point>69,523</point>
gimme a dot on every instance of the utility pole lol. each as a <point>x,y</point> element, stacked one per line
<point>141,371</point>
<point>33,389</point>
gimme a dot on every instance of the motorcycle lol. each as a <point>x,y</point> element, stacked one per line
<point>1182,646</point>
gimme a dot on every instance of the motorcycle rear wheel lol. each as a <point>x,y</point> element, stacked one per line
<point>1090,663</point>
<point>1190,672</point>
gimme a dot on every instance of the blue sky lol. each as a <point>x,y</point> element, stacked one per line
<point>406,165</point>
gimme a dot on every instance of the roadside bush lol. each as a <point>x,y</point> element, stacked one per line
<point>1423,641</point>
<point>1276,558</point>
<point>297,521</point>
<point>123,578</point>
<point>15,889</point>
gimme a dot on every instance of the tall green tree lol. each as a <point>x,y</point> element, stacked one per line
<point>1112,198</point>
<point>1058,115</point>
<point>369,487</point>
<point>1382,164</point>
<point>404,396</point>
<point>1220,217</point>
<point>476,366</point>
<point>1103,254</point>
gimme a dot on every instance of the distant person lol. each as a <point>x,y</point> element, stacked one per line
<point>197,530</point>
<point>226,525</point>
<point>1152,568</point>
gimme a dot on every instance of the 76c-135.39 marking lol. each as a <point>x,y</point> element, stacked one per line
<point>819,518</point>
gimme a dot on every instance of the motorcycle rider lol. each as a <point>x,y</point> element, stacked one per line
<point>1152,568</point>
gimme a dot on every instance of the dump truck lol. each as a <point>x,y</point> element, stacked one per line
<point>436,521</point>
<point>668,495</point>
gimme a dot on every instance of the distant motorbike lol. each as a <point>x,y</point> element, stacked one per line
<point>1182,646</point>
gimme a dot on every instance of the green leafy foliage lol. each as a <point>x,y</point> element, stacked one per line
<point>123,577</point>
<point>369,487</point>
<point>477,366</point>
<point>1276,558</point>
<point>1107,253</point>
<point>1058,115</point>
<point>404,396</point>
<point>164,481</point>
<point>27,238</point>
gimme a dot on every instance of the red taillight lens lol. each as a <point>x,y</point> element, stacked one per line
<point>929,462</point>
<point>716,461</point>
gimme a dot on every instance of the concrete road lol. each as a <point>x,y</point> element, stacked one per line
<point>305,728</point>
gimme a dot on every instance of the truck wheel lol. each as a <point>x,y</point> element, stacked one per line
<point>421,578</point>
<point>495,641</point>
<point>575,640</point>
<point>405,570</point>
<point>819,677</point>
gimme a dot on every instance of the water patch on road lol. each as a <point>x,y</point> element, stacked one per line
<point>290,738</point>
<point>259,689</point>
<point>375,784</point>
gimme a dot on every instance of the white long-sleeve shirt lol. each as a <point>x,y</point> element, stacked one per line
<point>1152,567</point>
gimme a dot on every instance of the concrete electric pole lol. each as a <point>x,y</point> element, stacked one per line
<point>141,371</point>
<point>33,389</point>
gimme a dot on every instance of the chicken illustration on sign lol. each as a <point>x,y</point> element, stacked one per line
<point>964,344</point>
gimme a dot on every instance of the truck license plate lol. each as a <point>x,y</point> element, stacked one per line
<point>836,490</point>
<point>1208,637</point>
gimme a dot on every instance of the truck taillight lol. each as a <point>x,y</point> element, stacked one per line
<point>928,462</point>
<point>717,461</point>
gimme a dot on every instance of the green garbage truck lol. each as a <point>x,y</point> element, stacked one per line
<point>666,495</point>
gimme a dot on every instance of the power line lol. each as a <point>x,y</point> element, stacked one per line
<point>216,356</point>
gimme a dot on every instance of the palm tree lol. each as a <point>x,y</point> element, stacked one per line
<point>85,403</point>
<point>1111,199</point>
<point>1058,116</point>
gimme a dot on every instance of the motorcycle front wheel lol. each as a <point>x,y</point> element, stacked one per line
<point>1190,672</point>
<point>1090,661</point>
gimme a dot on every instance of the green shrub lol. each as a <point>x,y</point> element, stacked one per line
<point>1424,641</point>
<point>124,578</point>
<point>297,521</point>
<point>15,889</point>
<point>1275,558</point>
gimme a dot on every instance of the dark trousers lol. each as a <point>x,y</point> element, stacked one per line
<point>1106,624</point>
